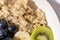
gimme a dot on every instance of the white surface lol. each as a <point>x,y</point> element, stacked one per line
<point>58,1</point>
<point>51,17</point>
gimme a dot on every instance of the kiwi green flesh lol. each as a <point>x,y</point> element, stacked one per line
<point>41,37</point>
<point>43,30</point>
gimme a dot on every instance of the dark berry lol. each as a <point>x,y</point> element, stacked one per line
<point>3,24</point>
<point>10,35</point>
<point>2,33</point>
<point>12,28</point>
<point>7,38</point>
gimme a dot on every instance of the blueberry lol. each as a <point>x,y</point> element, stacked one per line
<point>3,24</point>
<point>10,35</point>
<point>12,28</point>
<point>2,33</point>
<point>7,38</point>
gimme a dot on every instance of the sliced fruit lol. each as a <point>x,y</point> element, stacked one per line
<point>22,35</point>
<point>41,37</point>
<point>42,33</point>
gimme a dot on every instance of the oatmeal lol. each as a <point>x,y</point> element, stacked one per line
<point>21,14</point>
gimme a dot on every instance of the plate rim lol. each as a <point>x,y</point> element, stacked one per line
<point>56,25</point>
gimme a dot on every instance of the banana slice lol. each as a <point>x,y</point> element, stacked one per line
<point>22,35</point>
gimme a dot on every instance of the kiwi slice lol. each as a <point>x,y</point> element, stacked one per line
<point>42,33</point>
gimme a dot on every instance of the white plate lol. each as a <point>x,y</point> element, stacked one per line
<point>51,17</point>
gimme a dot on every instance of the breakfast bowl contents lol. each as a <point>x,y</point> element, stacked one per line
<point>19,20</point>
<point>7,31</point>
<point>42,33</point>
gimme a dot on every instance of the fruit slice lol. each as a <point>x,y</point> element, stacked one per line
<point>22,35</point>
<point>42,33</point>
